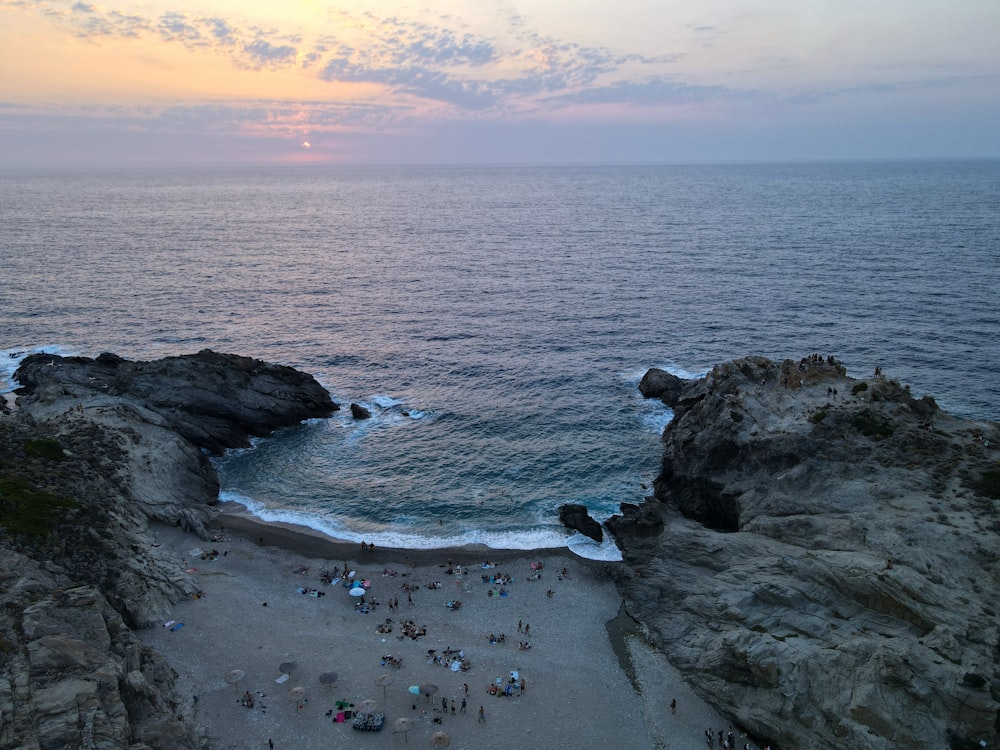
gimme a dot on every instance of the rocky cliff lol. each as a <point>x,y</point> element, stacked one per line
<point>821,557</point>
<point>96,450</point>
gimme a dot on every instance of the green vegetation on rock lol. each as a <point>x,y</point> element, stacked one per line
<point>44,448</point>
<point>27,510</point>
<point>990,484</point>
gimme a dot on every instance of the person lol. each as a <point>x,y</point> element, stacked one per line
<point>270,744</point>
<point>482,714</point>
<point>673,706</point>
<point>462,710</point>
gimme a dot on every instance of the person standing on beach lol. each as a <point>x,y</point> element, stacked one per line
<point>482,714</point>
<point>673,706</point>
<point>462,710</point>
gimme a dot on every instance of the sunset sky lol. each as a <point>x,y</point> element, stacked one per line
<point>495,81</point>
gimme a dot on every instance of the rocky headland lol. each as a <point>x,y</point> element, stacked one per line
<point>97,452</point>
<point>820,557</point>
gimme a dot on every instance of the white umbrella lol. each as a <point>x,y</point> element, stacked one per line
<point>404,725</point>
<point>233,677</point>
<point>382,680</point>
<point>296,694</point>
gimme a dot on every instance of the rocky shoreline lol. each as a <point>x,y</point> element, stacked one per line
<point>96,451</point>
<point>820,557</point>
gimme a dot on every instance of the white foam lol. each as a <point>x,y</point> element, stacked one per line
<point>584,546</point>
<point>392,537</point>
<point>655,417</point>
<point>10,360</point>
<point>385,402</point>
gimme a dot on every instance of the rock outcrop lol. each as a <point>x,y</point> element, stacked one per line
<point>95,451</point>
<point>827,572</point>
<point>577,517</point>
<point>360,412</point>
<point>215,401</point>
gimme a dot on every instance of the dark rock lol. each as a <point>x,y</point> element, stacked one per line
<point>657,383</point>
<point>577,517</point>
<point>636,521</point>
<point>216,401</point>
<point>360,412</point>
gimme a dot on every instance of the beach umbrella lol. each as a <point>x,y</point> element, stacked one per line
<point>367,706</point>
<point>382,680</point>
<point>297,694</point>
<point>403,725</point>
<point>428,690</point>
<point>440,739</point>
<point>287,667</point>
<point>328,678</point>
<point>233,677</point>
<point>357,591</point>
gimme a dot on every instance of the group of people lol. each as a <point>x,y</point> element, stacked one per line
<point>727,740</point>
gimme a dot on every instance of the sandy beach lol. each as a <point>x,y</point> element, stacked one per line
<point>577,686</point>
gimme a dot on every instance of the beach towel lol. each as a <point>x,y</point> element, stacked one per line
<point>178,626</point>
<point>283,678</point>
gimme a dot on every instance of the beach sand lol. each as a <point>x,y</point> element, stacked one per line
<point>252,618</point>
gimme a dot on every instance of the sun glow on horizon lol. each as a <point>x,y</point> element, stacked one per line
<point>420,74</point>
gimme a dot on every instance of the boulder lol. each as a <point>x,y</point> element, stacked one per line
<point>578,518</point>
<point>360,412</point>
<point>657,383</point>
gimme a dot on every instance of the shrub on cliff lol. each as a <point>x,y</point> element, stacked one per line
<point>27,510</point>
<point>45,448</point>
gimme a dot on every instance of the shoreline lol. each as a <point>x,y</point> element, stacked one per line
<point>296,536</point>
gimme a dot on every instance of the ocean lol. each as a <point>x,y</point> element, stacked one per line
<point>497,320</point>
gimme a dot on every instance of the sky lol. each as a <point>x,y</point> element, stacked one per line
<point>257,82</point>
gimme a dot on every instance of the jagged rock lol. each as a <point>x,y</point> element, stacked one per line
<point>215,401</point>
<point>828,571</point>
<point>636,521</point>
<point>577,517</point>
<point>360,412</point>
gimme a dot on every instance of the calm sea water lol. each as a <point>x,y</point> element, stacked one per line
<point>497,321</point>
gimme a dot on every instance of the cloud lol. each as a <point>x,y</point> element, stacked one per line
<point>437,59</point>
<point>220,30</point>
<point>175,27</point>
<point>655,92</point>
<point>262,53</point>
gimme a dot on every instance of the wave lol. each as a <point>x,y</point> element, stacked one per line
<point>397,537</point>
<point>11,359</point>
